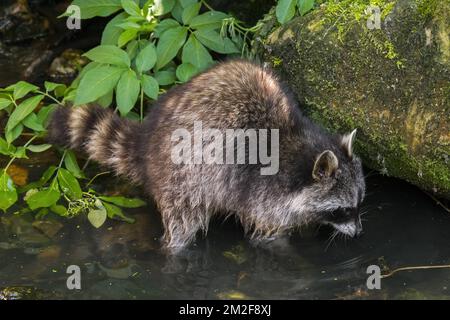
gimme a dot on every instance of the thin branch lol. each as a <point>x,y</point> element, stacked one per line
<point>443,266</point>
<point>438,202</point>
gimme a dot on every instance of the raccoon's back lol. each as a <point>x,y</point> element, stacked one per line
<point>233,94</point>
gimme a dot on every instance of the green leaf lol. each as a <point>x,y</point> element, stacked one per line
<point>23,110</point>
<point>212,40</point>
<point>115,212</point>
<point>75,83</point>
<point>208,20</point>
<point>5,148</point>
<point>59,210</point>
<point>124,202</point>
<point>22,88</point>
<point>97,217</point>
<point>136,19</point>
<point>97,82</point>
<point>32,122</point>
<point>39,147</point>
<point>165,77</point>
<point>4,103</point>
<point>69,184</point>
<point>150,86</point>
<point>129,25</point>
<point>71,164</point>
<point>177,11</point>
<point>190,12</point>
<point>169,44</point>
<point>20,152</point>
<point>8,193</point>
<point>285,10</point>
<point>14,133</point>
<point>132,49</point>
<point>165,25</point>
<point>43,180</point>
<point>51,86</point>
<point>109,54</point>
<point>185,71</point>
<point>111,33</point>
<point>131,7</point>
<point>186,3</point>
<point>146,58</point>
<point>126,37</point>
<point>127,92</point>
<point>44,198</point>
<point>161,7</point>
<point>44,114</point>
<point>97,8</point>
<point>195,53</point>
<point>304,6</point>
<point>106,100</point>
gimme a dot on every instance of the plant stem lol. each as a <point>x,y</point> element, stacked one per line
<point>142,104</point>
<point>96,176</point>
<point>50,97</point>
<point>207,5</point>
<point>62,159</point>
<point>14,158</point>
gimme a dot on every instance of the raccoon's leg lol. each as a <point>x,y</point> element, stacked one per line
<point>279,244</point>
<point>180,226</point>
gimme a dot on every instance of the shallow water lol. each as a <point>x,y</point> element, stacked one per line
<point>403,227</point>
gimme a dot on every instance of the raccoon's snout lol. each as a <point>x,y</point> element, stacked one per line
<point>346,221</point>
<point>352,229</point>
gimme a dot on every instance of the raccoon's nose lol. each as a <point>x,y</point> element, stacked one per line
<point>358,229</point>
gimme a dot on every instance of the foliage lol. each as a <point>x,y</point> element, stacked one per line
<point>285,9</point>
<point>59,189</point>
<point>150,45</point>
<point>146,47</point>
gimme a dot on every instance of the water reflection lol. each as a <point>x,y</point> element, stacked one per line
<point>122,261</point>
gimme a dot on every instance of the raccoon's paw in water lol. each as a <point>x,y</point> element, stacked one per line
<point>279,245</point>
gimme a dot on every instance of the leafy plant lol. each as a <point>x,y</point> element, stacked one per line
<point>58,190</point>
<point>150,45</point>
<point>285,9</point>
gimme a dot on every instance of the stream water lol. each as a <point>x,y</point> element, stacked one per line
<point>402,227</point>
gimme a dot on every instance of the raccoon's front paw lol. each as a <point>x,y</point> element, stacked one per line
<point>274,244</point>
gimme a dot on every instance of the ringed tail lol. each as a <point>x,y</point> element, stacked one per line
<point>105,137</point>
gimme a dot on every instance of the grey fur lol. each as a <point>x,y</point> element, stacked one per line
<point>231,95</point>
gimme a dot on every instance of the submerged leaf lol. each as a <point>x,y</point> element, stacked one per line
<point>18,174</point>
<point>115,212</point>
<point>8,193</point>
<point>97,217</point>
<point>124,202</point>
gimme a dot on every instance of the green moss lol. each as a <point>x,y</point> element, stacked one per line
<point>397,157</point>
<point>344,14</point>
<point>352,82</point>
<point>276,61</point>
<point>426,8</point>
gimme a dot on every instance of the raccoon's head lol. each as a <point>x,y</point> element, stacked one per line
<point>338,188</point>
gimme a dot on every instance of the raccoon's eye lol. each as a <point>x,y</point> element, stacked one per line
<point>340,215</point>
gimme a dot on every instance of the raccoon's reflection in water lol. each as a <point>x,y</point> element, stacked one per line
<point>123,261</point>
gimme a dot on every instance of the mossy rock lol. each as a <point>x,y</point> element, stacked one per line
<point>392,83</point>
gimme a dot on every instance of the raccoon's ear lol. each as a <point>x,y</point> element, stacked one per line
<point>347,143</point>
<point>325,166</point>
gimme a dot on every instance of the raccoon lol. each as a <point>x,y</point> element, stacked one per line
<point>319,180</point>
